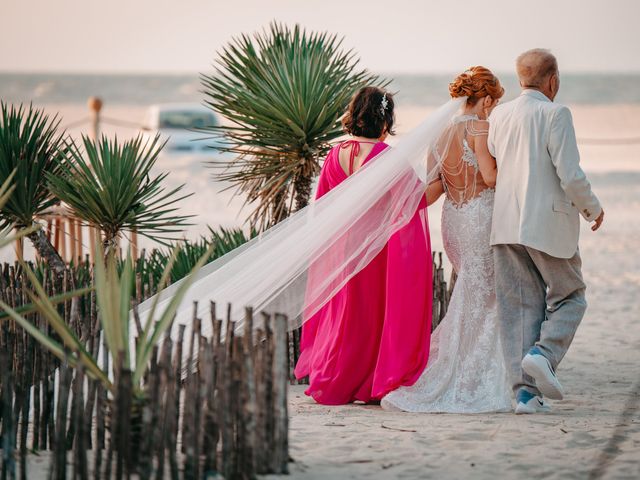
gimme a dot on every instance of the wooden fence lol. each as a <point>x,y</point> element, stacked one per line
<point>226,414</point>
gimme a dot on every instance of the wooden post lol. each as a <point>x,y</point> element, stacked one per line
<point>95,105</point>
<point>78,235</point>
<point>166,384</point>
<point>72,239</point>
<point>134,245</point>
<point>92,243</point>
<point>63,240</point>
<point>8,424</point>
<point>58,234</point>
<point>80,465</point>
<point>280,371</point>
<point>59,461</point>
<point>248,408</point>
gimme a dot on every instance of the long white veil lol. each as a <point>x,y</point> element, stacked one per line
<point>297,266</point>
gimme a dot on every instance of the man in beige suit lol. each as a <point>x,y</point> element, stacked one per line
<point>541,191</point>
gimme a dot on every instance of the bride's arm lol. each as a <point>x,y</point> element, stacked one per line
<point>433,191</point>
<point>486,162</point>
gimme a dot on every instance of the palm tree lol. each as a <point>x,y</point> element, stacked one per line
<point>30,148</point>
<point>111,188</point>
<point>283,91</point>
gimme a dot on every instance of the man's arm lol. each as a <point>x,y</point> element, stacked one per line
<point>563,149</point>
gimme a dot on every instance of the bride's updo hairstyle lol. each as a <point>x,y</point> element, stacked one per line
<point>476,83</point>
<point>370,113</point>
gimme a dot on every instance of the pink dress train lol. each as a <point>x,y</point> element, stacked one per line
<point>373,335</point>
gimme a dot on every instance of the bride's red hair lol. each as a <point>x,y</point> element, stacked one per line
<point>476,83</point>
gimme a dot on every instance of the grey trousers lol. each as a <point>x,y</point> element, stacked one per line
<point>541,301</point>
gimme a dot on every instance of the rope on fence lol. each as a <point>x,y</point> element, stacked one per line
<point>77,123</point>
<point>120,123</point>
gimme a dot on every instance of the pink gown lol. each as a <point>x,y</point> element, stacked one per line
<point>373,336</point>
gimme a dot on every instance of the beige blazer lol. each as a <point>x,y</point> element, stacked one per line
<point>540,186</point>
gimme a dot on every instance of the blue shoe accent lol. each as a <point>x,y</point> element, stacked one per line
<point>523,396</point>
<point>527,402</point>
<point>535,351</point>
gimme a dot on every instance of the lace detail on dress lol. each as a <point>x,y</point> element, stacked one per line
<point>469,155</point>
<point>466,372</point>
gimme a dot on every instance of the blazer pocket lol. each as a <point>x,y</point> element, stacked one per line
<point>562,206</point>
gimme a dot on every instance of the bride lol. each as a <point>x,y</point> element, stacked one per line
<point>466,372</point>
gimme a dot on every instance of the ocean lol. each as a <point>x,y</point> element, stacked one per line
<point>415,90</point>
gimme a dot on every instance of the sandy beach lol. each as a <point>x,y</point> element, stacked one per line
<point>601,374</point>
<point>600,371</point>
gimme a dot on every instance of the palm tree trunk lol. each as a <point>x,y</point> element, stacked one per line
<point>302,187</point>
<point>46,251</point>
<point>110,244</point>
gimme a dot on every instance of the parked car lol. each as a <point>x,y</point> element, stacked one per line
<point>179,123</point>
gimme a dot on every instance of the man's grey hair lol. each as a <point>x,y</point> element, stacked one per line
<point>534,66</point>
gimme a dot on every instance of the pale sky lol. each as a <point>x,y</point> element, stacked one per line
<point>398,36</point>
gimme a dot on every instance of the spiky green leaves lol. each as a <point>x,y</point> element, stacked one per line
<point>30,148</point>
<point>284,92</point>
<point>111,187</point>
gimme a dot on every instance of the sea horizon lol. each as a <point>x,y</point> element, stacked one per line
<point>411,89</point>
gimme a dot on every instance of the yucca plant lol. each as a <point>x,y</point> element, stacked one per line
<point>283,92</point>
<point>110,186</point>
<point>222,241</point>
<point>113,295</point>
<point>227,239</point>
<point>30,148</point>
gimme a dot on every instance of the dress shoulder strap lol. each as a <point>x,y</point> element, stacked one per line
<point>355,150</point>
<point>476,128</point>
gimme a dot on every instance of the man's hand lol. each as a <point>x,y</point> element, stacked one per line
<point>598,221</point>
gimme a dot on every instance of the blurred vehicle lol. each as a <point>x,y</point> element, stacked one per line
<point>180,123</point>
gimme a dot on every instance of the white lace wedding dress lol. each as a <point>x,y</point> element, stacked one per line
<point>466,371</point>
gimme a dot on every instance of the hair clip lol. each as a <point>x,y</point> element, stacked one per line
<point>384,104</point>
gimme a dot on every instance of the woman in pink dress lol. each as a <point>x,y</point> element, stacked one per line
<point>373,335</point>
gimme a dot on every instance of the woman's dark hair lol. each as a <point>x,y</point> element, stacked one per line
<point>370,113</point>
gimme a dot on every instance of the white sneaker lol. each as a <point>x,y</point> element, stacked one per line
<point>537,366</point>
<point>529,403</point>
